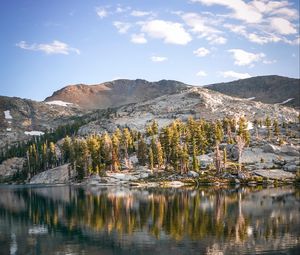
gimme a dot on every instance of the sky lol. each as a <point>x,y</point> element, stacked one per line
<point>48,44</point>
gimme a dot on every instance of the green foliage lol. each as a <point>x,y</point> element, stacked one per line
<point>176,146</point>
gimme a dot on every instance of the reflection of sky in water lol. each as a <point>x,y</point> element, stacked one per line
<point>118,220</point>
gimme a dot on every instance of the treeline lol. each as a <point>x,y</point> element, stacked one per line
<point>175,147</point>
<point>20,149</point>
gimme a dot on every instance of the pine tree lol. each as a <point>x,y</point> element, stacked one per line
<point>151,160</point>
<point>174,154</point>
<point>126,145</point>
<point>195,161</point>
<point>66,149</point>
<point>94,150</point>
<point>154,127</point>
<point>242,130</point>
<point>268,125</point>
<point>105,151</point>
<point>52,158</point>
<point>276,128</point>
<point>44,150</point>
<point>115,153</point>
<point>142,152</point>
<point>184,159</point>
<point>160,156</point>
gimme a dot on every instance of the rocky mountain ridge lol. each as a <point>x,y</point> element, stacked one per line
<point>197,102</point>
<point>271,89</point>
<point>115,93</point>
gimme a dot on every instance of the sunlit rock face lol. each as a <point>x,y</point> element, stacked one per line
<point>209,220</point>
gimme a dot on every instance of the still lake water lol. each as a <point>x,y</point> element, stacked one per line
<point>115,220</point>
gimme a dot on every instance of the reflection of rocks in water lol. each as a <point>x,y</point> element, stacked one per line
<point>132,218</point>
<point>11,201</point>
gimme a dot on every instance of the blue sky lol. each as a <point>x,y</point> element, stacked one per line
<point>48,44</point>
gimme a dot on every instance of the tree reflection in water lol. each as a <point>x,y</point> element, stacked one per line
<point>213,218</point>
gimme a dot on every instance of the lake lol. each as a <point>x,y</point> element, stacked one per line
<point>119,220</point>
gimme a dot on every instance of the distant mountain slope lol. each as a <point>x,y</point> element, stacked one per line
<point>271,89</point>
<point>196,101</point>
<point>18,116</point>
<point>115,93</point>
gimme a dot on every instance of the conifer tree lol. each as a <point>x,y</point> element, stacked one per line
<point>126,145</point>
<point>115,153</point>
<point>160,156</point>
<point>268,125</point>
<point>94,151</point>
<point>66,149</point>
<point>276,128</point>
<point>52,158</point>
<point>154,127</point>
<point>151,160</point>
<point>142,152</point>
<point>242,130</point>
<point>184,159</point>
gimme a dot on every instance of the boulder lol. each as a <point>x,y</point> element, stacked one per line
<point>271,148</point>
<point>57,175</point>
<point>232,151</point>
<point>274,174</point>
<point>290,150</point>
<point>290,168</point>
<point>193,174</point>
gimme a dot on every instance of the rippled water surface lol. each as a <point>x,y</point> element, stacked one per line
<point>72,220</point>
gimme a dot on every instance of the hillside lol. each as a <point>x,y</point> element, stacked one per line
<point>271,89</point>
<point>115,93</point>
<point>198,102</point>
<point>22,118</point>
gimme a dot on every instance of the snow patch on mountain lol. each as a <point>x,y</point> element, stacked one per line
<point>7,115</point>
<point>35,133</point>
<point>286,101</point>
<point>58,102</point>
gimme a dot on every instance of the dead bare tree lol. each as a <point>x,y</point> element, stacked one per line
<point>240,142</point>
<point>218,158</point>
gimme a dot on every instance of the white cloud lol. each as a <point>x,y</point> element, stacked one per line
<point>244,58</point>
<point>235,75</point>
<point>136,13</point>
<point>204,27</point>
<point>56,47</point>
<point>215,39</point>
<point>138,38</point>
<point>282,26</point>
<point>121,9</point>
<point>253,36</point>
<point>158,59</point>
<point>199,24</point>
<point>201,52</point>
<point>122,26</point>
<point>241,10</point>
<point>101,12</point>
<point>288,13</point>
<point>201,73</point>
<point>170,32</point>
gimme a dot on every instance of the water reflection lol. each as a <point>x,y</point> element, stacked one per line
<point>116,220</point>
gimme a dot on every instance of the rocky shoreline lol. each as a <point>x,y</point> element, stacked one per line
<point>143,177</point>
